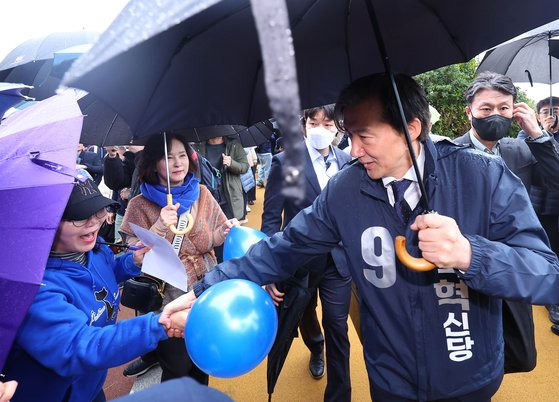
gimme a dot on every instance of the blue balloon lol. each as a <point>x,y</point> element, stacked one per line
<point>231,328</point>
<point>239,240</point>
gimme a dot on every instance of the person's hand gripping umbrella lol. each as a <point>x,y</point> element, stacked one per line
<point>189,218</point>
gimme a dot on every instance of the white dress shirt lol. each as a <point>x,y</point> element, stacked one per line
<point>323,173</point>
<point>413,192</point>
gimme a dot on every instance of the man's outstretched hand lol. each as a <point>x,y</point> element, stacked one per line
<point>175,314</point>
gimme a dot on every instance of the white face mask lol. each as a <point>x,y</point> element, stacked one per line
<point>319,137</point>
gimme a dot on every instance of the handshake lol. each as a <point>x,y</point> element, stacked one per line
<point>174,315</point>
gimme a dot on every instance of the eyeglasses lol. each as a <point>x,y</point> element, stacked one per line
<point>100,215</point>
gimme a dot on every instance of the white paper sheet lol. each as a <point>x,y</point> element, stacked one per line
<point>161,261</point>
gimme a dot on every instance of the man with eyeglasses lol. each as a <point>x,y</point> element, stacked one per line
<point>549,121</point>
<point>548,117</point>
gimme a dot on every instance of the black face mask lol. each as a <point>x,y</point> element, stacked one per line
<point>492,128</point>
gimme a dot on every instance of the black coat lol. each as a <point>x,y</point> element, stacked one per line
<point>93,163</point>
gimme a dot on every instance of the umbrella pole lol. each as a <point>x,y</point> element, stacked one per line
<point>551,83</point>
<point>189,218</point>
<point>417,264</point>
<point>550,75</point>
<point>380,42</point>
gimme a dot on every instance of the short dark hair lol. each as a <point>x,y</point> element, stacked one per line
<point>154,151</point>
<point>545,102</point>
<point>379,87</point>
<point>490,80</point>
<point>328,111</point>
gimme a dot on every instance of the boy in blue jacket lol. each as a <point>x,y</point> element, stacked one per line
<point>427,336</point>
<point>70,337</point>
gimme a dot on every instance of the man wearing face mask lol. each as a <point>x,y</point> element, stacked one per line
<point>491,109</point>
<point>548,212</point>
<point>334,283</point>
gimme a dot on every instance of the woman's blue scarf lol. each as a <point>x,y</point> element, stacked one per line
<point>185,194</point>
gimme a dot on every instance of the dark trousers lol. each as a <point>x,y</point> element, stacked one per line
<point>335,293</point>
<point>481,395</point>
<point>175,361</point>
<point>252,192</point>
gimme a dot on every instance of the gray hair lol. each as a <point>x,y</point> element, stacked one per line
<point>490,80</point>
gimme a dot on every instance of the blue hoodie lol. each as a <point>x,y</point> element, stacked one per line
<point>70,338</point>
<point>426,335</point>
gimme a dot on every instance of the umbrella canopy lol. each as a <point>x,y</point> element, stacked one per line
<point>214,56</point>
<point>48,78</point>
<point>531,59</point>
<point>33,197</point>
<point>256,134</point>
<point>10,95</point>
<point>34,52</point>
<point>249,136</point>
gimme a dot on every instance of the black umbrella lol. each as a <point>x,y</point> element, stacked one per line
<point>298,292</point>
<point>101,125</point>
<point>256,134</point>
<point>23,63</point>
<point>533,58</point>
<point>208,68</point>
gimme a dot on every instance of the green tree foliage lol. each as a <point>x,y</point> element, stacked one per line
<point>445,88</point>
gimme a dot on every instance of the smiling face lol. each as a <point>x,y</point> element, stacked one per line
<point>178,165</point>
<point>380,148</point>
<point>72,239</point>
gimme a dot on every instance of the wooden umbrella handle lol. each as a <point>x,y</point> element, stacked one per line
<point>189,219</point>
<point>417,264</point>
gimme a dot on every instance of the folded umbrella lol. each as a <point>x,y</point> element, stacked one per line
<point>298,292</point>
<point>37,158</point>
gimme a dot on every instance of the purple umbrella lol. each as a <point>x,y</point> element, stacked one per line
<point>38,148</point>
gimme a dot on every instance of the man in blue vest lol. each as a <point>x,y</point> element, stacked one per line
<point>433,335</point>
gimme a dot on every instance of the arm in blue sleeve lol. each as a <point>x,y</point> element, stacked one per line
<point>514,260</point>
<point>312,232</point>
<point>124,267</point>
<point>58,335</point>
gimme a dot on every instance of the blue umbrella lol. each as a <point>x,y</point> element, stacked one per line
<point>22,64</point>
<point>10,95</point>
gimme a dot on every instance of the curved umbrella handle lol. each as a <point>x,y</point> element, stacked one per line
<point>189,218</point>
<point>417,264</point>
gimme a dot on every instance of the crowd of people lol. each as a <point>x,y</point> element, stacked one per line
<point>449,334</point>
